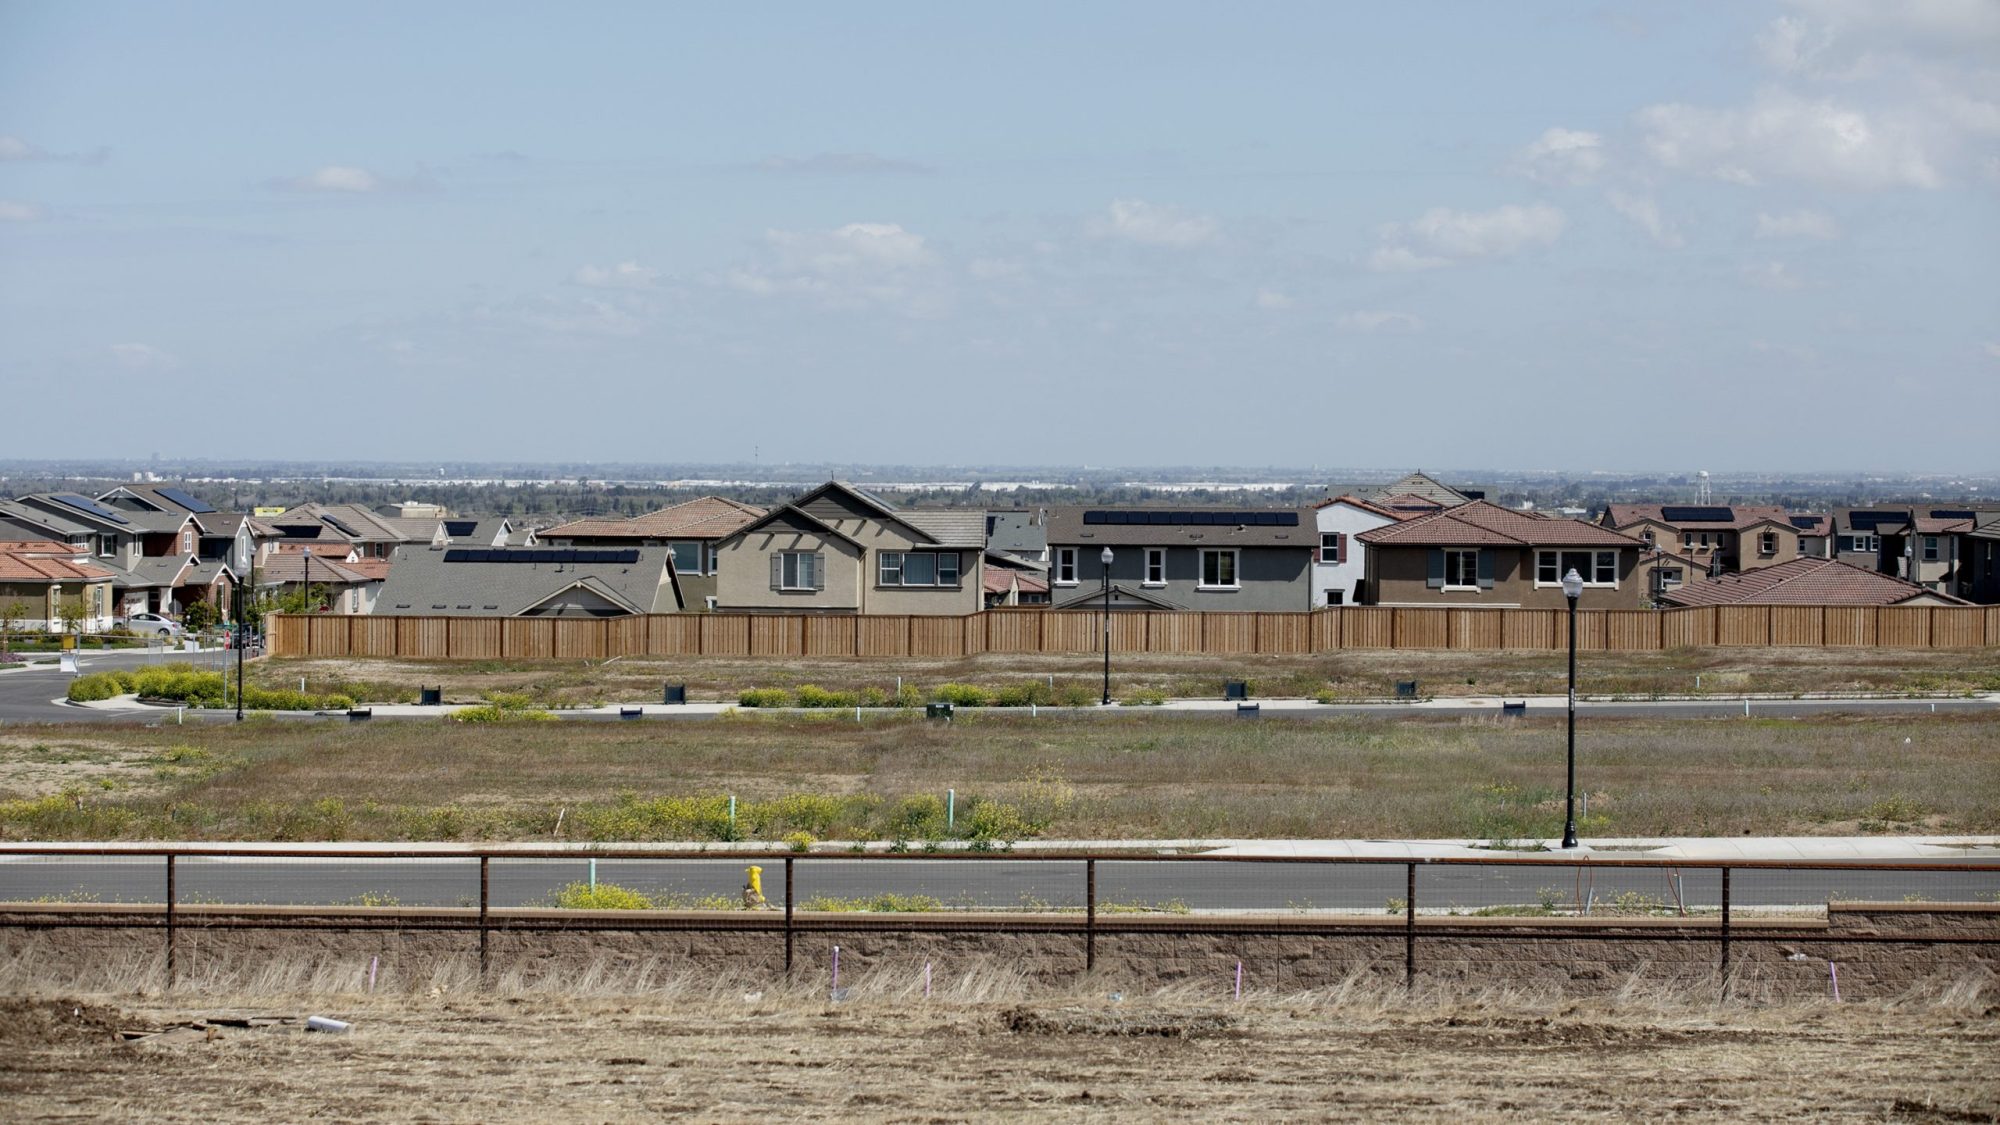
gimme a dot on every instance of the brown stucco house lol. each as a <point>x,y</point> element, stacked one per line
<point>1733,536</point>
<point>841,549</point>
<point>1480,554</point>
<point>692,529</point>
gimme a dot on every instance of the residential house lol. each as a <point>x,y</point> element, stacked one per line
<point>841,549</point>
<point>1480,554</point>
<point>1815,535</point>
<point>1660,571</point>
<point>1183,558</point>
<point>540,581</point>
<point>373,536</point>
<point>1807,581</point>
<point>1340,562</point>
<point>1720,537</point>
<point>340,578</point>
<point>39,578</point>
<point>1012,581</point>
<point>1979,572</point>
<point>1020,534</point>
<point>1931,545</point>
<point>1419,490</point>
<point>692,530</point>
<point>222,536</point>
<point>153,554</point>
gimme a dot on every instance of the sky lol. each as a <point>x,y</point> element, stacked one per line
<point>1594,235</point>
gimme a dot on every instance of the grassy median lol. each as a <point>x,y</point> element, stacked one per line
<point>804,778</point>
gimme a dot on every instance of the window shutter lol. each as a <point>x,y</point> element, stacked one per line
<point>1486,570</point>
<point>777,572</point>
<point>1340,546</point>
<point>1437,569</point>
<point>819,570</point>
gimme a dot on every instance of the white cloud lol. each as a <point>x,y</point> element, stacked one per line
<point>624,275</point>
<point>1378,320</point>
<point>1992,349</point>
<point>1154,224</point>
<point>1771,275</point>
<point>858,265</point>
<point>1781,135</point>
<point>1274,299</point>
<point>15,148</point>
<point>1797,224</point>
<point>588,317</point>
<point>1562,156</point>
<point>840,164</point>
<point>143,357</point>
<point>1645,212</point>
<point>336,178</point>
<point>1441,236</point>
<point>13,212</point>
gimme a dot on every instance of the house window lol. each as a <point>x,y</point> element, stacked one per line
<point>187,541</point>
<point>1596,568</point>
<point>687,558</point>
<point>1668,576</point>
<point>1218,570</point>
<point>917,568</point>
<point>1461,569</point>
<point>1646,537</point>
<point>1065,566</point>
<point>107,545</point>
<point>1930,548</point>
<point>1687,539</point>
<point>1336,597</point>
<point>1332,547</point>
<point>1156,566</point>
<point>1767,543</point>
<point>798,570</point>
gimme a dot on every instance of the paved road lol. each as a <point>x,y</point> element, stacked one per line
<point>990,884</point>
<point>32,695</point>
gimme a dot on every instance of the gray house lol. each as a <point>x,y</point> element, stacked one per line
<point>1183,558</point>
<point>529,582</point>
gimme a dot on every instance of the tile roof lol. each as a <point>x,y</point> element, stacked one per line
<point>1421,487</point>
<point>1480,524</point>
<point>705,517</point>
<point>949,527</point>
<point>35,561</point>
<point>1066,528</point>
<point>1804,581</point>
<point>1000,579</point>
<point>1357,502</point>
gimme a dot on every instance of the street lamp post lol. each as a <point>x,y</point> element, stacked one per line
<point>1572,584</point>
<point>1106,559</point>
<point>306,582</point>
<point>237,625</point>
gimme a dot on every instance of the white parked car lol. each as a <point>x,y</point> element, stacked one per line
<point>153,625</point>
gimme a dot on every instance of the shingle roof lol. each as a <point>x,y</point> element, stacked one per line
<point>1066,528</point>
<point>284,569</point>
<point>1421,487</point>
<point>1016,532</point>
<point>1805,581</point>
<point>1358,502</point>
<point>1740,515</point>
<point>705,517</point>
<point>1480,524</point>
<point>950,528</point>
<point>422,583</point>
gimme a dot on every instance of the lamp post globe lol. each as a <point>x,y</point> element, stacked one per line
<point>1572,587</point>
<point>1105,558</point>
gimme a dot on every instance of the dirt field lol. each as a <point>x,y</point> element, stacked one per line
<point>730,1055</point>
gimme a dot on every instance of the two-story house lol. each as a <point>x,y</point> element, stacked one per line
<point>1183,558</point>
<point>1340,563</point>
<point>1480,554</point>
<point>842,549</point>
<point>691,530</point>
<point>1718,537</point>
<point>153,554</point>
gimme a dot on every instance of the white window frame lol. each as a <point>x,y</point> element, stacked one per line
<point>107,545</point>
<point>1065,572</point>
<point>1602,563</point>
<point>1235,568</point>
<point>1767,543</point>
<point>795,570</point>
<point>1467,564</point>
<point>1931,552</point>
<point>892,570</point>
<point>1329,548</point>
<point>1156,563</point>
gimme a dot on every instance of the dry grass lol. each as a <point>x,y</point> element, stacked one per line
<point>602,1042</point>
<point>1096,778</point>
<point>1359,674</point>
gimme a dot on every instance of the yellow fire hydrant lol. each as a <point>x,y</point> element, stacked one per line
<point>753,889</point>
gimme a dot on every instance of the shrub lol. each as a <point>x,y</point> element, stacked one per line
<point>921,817</point>
<point>799,841</point>
<point>96,686</point>
<point>603,896</point>
<point>509,700</point>
<point>494,713</point>
<point>962,695</point>
<point>812,695</point>
<point>876,904</point>
<point>1145,697</point>
<point>764,697</point>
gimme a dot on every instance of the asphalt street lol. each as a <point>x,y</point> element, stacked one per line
<point>985,884</point>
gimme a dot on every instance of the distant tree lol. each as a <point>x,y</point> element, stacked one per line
<point>200,615</point>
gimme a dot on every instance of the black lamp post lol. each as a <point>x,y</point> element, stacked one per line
<point>306,582</point>
<point>237,625</point>
<point>1572,584</point>
<point>1106,559</point>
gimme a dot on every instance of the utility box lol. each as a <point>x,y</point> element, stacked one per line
<point>430,696</point>
<point>1236,689</point>
<point>938,711</point>
<point>1406,689</point>
<point>674,693</point>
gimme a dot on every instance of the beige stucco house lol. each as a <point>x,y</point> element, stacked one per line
<point>839,549</point>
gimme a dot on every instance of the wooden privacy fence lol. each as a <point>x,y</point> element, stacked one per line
<point>1074,631</point>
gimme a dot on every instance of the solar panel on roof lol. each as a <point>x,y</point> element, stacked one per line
<point>460,527</point>
<point>456,556</point>
<point>1869,521</point>
<point>184,500</point>
<point>1696,514</point>
<point>87,505</point>
<point>341,527</point>
<point>1805,521</point>
<point>1953,514</point>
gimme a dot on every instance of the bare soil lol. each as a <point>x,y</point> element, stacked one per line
<point>443,1057</point>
